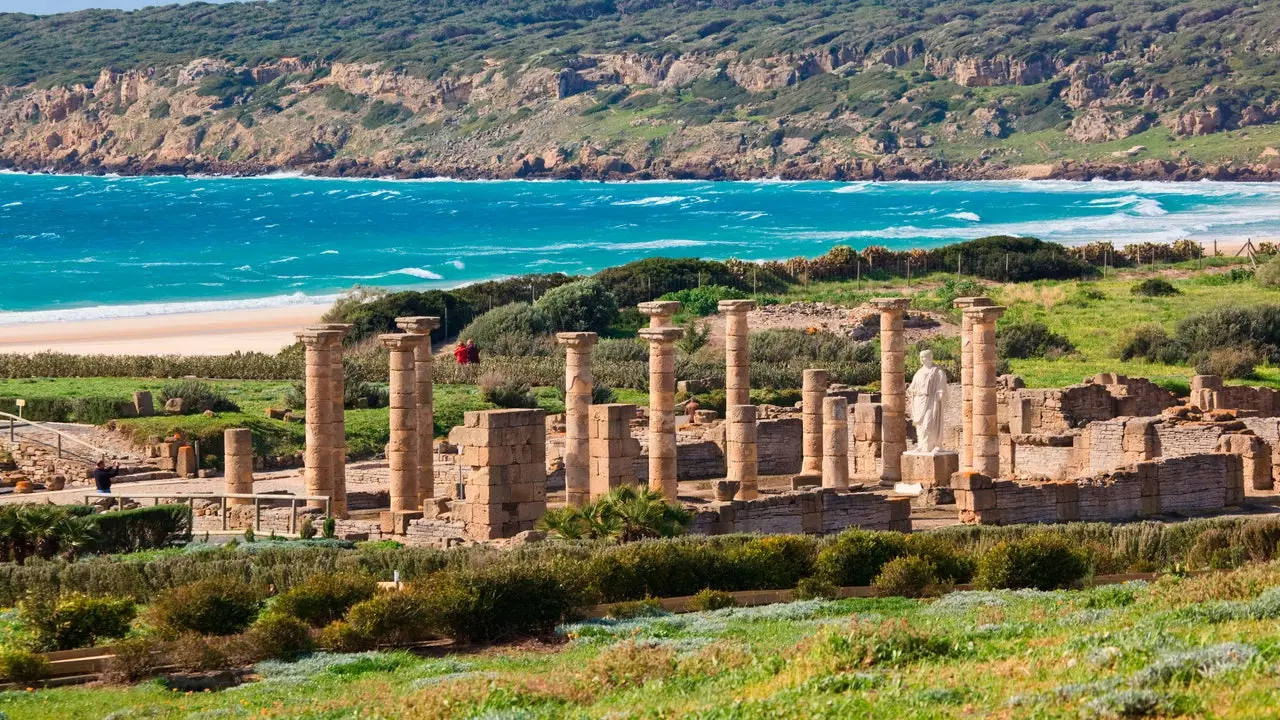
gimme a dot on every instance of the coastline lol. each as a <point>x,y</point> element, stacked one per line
<point>216,332</point>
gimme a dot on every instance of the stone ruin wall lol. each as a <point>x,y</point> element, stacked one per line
<point>820,511</point>
<point>1187,484</point>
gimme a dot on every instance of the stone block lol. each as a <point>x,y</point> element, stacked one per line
<point>930,469</point>
<point>143,404</point>
<point>186,462</point>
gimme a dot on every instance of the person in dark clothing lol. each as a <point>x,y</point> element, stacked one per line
<point>473,353</point>
<point>102,477</point>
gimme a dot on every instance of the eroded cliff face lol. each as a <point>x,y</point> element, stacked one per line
<point>504,120</point>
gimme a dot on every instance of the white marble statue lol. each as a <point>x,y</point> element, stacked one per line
<point>926,393</point>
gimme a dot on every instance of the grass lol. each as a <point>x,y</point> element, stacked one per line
<point>1162,649</point>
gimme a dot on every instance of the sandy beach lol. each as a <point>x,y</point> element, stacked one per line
<point>204,333</point>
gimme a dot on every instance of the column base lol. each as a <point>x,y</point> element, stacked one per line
<point>806,480</point>
<point>396,522</point>
<point>930,469</point>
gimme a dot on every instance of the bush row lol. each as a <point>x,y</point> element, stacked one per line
<point>30,531</point>
<point>660,568</point>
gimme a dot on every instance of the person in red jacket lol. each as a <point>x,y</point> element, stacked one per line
<point>460,354</point>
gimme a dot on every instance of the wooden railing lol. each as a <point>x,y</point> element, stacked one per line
<point>222,498</point>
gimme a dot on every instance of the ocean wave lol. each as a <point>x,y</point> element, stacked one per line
<point>108,312</point>
<point>848,188</point>
<point>12,204</point>
<point>655,201</point>
<point>971,217</point>
<point>1138,204</point>
<point>457,264</point>
<point>291,258</point>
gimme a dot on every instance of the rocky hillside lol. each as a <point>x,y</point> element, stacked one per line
<point>604,88</point>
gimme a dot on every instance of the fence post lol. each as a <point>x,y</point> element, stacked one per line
<point>222,510</point>
<point>59,447</point>
<point>293,516</point>
<point>257,514</point>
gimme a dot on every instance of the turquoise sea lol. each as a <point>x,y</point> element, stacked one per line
<point>77,247</point>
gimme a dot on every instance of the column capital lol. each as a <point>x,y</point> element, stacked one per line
<point>891,304</point>
<point>989,313</point>
<point>320,339</point>
<point>733,307</point>
<point>815,376</point>
<point>659,310</point>
<point>968,302</point>
<point>418,323</point>
<point>343,328</point>
<point>661,335</point>
<point>577,340</point>
<point>402,341</point>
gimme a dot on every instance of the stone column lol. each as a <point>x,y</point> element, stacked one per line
<point>659,312</point>
<point>740,450</point>
<point>986,426</point>
<point>402,451</point>
<point>893,388</point>
<point>737,377</point>
<point>966,377</point>
<point>835,443</point>
<point>338,423</point>
<point>662,415</point>
<point>318,457</point>
<point>812,395</point>
<point>422,359</point>
<point>578,383</point>
<point>237,444</point>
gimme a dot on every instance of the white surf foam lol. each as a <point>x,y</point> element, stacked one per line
<point>654,201</point>
<point>108,312</point>
<point>971,217</point>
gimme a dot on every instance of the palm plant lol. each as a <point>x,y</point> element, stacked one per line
<point>76,536</point>
<point>627,513</point>
<point>38,524</point>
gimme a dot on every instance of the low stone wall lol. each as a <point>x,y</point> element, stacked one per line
<point>1102,397</point>
<point>820,511</point>
<point>1208,393</point>
<point>1049,457</point>
<point>778,449</point>
<point>1192,483</point>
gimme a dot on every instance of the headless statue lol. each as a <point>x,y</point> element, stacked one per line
<point>926,392</point>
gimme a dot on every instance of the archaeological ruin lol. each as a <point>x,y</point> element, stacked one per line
<point>977,448</point>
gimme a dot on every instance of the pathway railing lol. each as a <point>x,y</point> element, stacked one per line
<point>190,500</point>
<point>16,421</point>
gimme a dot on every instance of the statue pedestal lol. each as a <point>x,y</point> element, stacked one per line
<point>929,469</point>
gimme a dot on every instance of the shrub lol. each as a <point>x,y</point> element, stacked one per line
<point>494,602</point>
<point>144,528</point>
<point>18,665</point>
<point>197,396</point>
<point>1256,326</point>
<point>372,312</point>
<point>76,620</point>
<point>641,280</point>
<point>1268,274</point>
<point>388,618</point>
<point>631,663</point>
<point>816,588</point>
<point>384,113</point>
<point>705,300</point>
<point>708,599</point>
<point>306,528</point>
<point>696,336</point>
<point>893,642</point>
<point>581,306</point>
<point>953,565</point>
<point>1152,343</point>
<point>1229,362</point>
<point>335,98</point>
<point>1215,549</point>
<point>280,637</point>
<point>215,606</point>
<point>133,659</point>
<point>1030,339</point>
<point>909,576</point>
<point>496,389</point>
<point>855,557</point>
<point>341,636</point>
<point>322,599</point>
<point>520,319</point>
<point>631,609</point>
<point>1043,561</point>
<point>1154,287</point>
<point>625,514</point>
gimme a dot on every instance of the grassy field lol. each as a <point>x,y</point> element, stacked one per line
<point>1203,646</point>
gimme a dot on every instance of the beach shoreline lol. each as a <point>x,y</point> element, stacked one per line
<point>219,332</point>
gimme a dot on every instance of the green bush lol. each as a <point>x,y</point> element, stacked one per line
<point>908,576</point>
<point>650,278</point>
<point>497,390</point>
<point>335,98</point>
<point>497,601</point>
<point>322,599</point>
<point>197,396</point>
<point>22,665</point>
<point>1215,549</point>
<point>280,637</point>
<point>1030,339</point>
<point>384,113</point>
<point>1268,274</point>
<point>1252,326</point>
<point>144,528</point>
<point>631,609</point>
<point>342,637</point>
<point>76,620</point>
<point>1231,363</point>
<point>373,312</point>
<point>521,319</point>
<point>1042,561</point>
<point>1153,344</point>
<point>580,306</point>
<point>952,564</point>
<point>391,617</point>
<point>215,606</point>
<point>816,588</point>
<point>855,557</point>
<point>708,599</point>
<point>705,300</point>
<point>134,658</point>
<point>1154,287</point>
